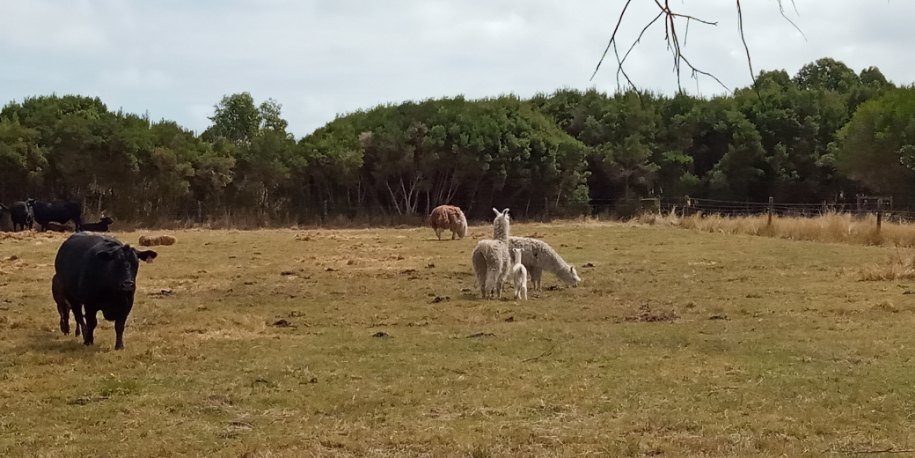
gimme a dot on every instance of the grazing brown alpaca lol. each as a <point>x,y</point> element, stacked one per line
<point>448,217</point>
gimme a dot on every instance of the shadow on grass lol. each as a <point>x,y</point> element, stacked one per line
<point>59,343</point>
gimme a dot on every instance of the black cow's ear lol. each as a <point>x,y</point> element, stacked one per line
<point>147,255</point>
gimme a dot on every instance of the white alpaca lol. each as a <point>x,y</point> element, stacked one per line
<point>448,217</point>
<point>537,256</point>
<point>519,275</point>
<point>491,259</point>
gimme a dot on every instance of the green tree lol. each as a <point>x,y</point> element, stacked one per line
<point>876,147</point>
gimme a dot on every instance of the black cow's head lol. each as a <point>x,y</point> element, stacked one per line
<point>106,220</point>
<point>121,263</point>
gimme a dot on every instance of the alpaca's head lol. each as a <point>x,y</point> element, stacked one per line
<point>500,225</point>
<point>462,226</point>
<point>516,255</point>
<point>570,276</point>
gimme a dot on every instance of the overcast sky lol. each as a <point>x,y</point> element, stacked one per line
<point>177,58</point>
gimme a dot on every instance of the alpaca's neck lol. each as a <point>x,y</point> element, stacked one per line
<point>500,230</point>
<point>552,262</point>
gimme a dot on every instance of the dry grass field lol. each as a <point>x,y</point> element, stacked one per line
<point>293,343</point>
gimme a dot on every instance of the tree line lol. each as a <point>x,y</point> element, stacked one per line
<point>822,134</point>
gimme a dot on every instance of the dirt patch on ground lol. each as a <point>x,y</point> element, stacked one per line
<point>648,314</point>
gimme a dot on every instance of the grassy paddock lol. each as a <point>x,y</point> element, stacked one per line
<point>262,343</point>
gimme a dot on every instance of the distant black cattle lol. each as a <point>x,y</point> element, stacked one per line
<point>97,273</point>
<point>3,211</point>
<point>58,212</point>
<point>100,226</point>
<point>21,214</point>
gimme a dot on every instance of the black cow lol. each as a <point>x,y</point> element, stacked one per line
<point>100,226</point>
<point>59,212</point>
<point>99,273</point>
<point>21,214</point>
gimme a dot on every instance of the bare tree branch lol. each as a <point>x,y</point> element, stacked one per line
<point>625,56</point>
<point>743,39</point>
<point>781,10</point>
<point>674,42</point>
<point>612,37</point>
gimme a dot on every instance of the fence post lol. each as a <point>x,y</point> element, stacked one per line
<point>879,213</point>
<point>771,205</point>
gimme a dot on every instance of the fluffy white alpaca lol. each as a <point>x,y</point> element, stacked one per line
<point>537,256</point>
<point>448,217</point>
<point>491,259</point>
<point>519,275</point>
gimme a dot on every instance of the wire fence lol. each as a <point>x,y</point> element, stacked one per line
<point>880,206</point>
<point>378,215</point>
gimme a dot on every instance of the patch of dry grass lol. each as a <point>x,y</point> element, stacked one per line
<point>372,343</point>
<point>830,227</point>
<point>900,265</point>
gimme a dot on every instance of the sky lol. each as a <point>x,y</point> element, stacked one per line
<point>175,59</point>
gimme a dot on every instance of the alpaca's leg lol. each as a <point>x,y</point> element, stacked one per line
<point>536,274</point>
<point>503,278</point>
<point>480,274</point>
<point>500,283</point>
<point>438,233</point>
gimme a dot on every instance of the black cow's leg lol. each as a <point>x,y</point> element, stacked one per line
<point>63,307</point>
<point>91,322</point>
<point>119,333</point>
<point>77,309</point>
<point>80,322</point>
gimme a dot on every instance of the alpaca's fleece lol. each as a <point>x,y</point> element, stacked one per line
<point>491,265</point>
<point>448,217</point>
<point>537,256</point>
<point>491,259</point>
<point>519,275</point>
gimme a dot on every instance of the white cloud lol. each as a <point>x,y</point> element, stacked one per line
<point>322,57</point>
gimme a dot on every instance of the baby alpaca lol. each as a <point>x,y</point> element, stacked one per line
<point>519,275</point>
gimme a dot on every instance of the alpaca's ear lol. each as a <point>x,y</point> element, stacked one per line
<point>497,211</point>
<point>505,211</point>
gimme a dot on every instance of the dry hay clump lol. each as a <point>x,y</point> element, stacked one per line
<point>827,227</point>
<point>32,235</point>
<point>156,240</point>
<point>647,314</point>
<point>15,235</point>
<point>898,266</point>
